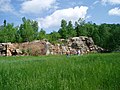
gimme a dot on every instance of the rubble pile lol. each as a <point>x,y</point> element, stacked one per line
<point>33,48</point>
<point>73,45</point>
<point>8,49</point>
<point>81,44</point>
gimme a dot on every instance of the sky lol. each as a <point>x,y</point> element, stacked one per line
<point>49,13</point>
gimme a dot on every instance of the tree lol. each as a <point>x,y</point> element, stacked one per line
<point>80,28</point>
<point>89,27</point>
<point>81,21</point>
<point>54,36</point>
<point>42,34</point>
<point>5,23</point>
<point>70,30</point>
<point>95,34</point>
<point>63,29</point>
<point>28,30</point>
<point>35,28</point>
<point>8,33</point>
<point>11,33</point>
<point>114,40</point>
<point>104,35</point>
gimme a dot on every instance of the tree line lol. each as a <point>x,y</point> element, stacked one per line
<point>104,35</point>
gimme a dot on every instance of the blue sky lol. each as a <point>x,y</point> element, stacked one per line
<point>49,13</point>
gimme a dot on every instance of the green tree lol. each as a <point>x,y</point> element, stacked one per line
<point>95,35</point>
<point>63,29</point>
<point>104,35</point>
<point>8,32</point>
<point>5,23</point>
<point>70,30</point>
<point>41,34</point>
<point>80,28</point>
<point>114,40</point>
<point>28,30</point>
<point>89,27</point>
<point>35,27</point>
<point>54,36</point>
<point>11,33</point>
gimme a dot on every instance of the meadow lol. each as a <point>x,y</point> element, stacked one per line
<point>87,72</point>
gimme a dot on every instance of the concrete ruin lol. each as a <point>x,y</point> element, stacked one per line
<point>42,47</point>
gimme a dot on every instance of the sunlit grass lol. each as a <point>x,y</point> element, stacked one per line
<point>87,72</point>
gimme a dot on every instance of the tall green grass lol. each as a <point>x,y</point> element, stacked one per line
<point>87,72</point>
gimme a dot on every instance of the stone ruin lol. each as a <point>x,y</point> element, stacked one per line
<point>9,49</point>
<point>73,45</point>
<point>43,47</point>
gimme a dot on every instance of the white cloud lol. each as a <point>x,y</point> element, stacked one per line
<point>114,11</point>
<point>54,19</point>
<point>111,1</point>
<point>36,6</point>
<point>96,2</point>
<point>5,6</point>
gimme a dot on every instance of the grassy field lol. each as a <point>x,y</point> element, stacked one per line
<point>87,72</point>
